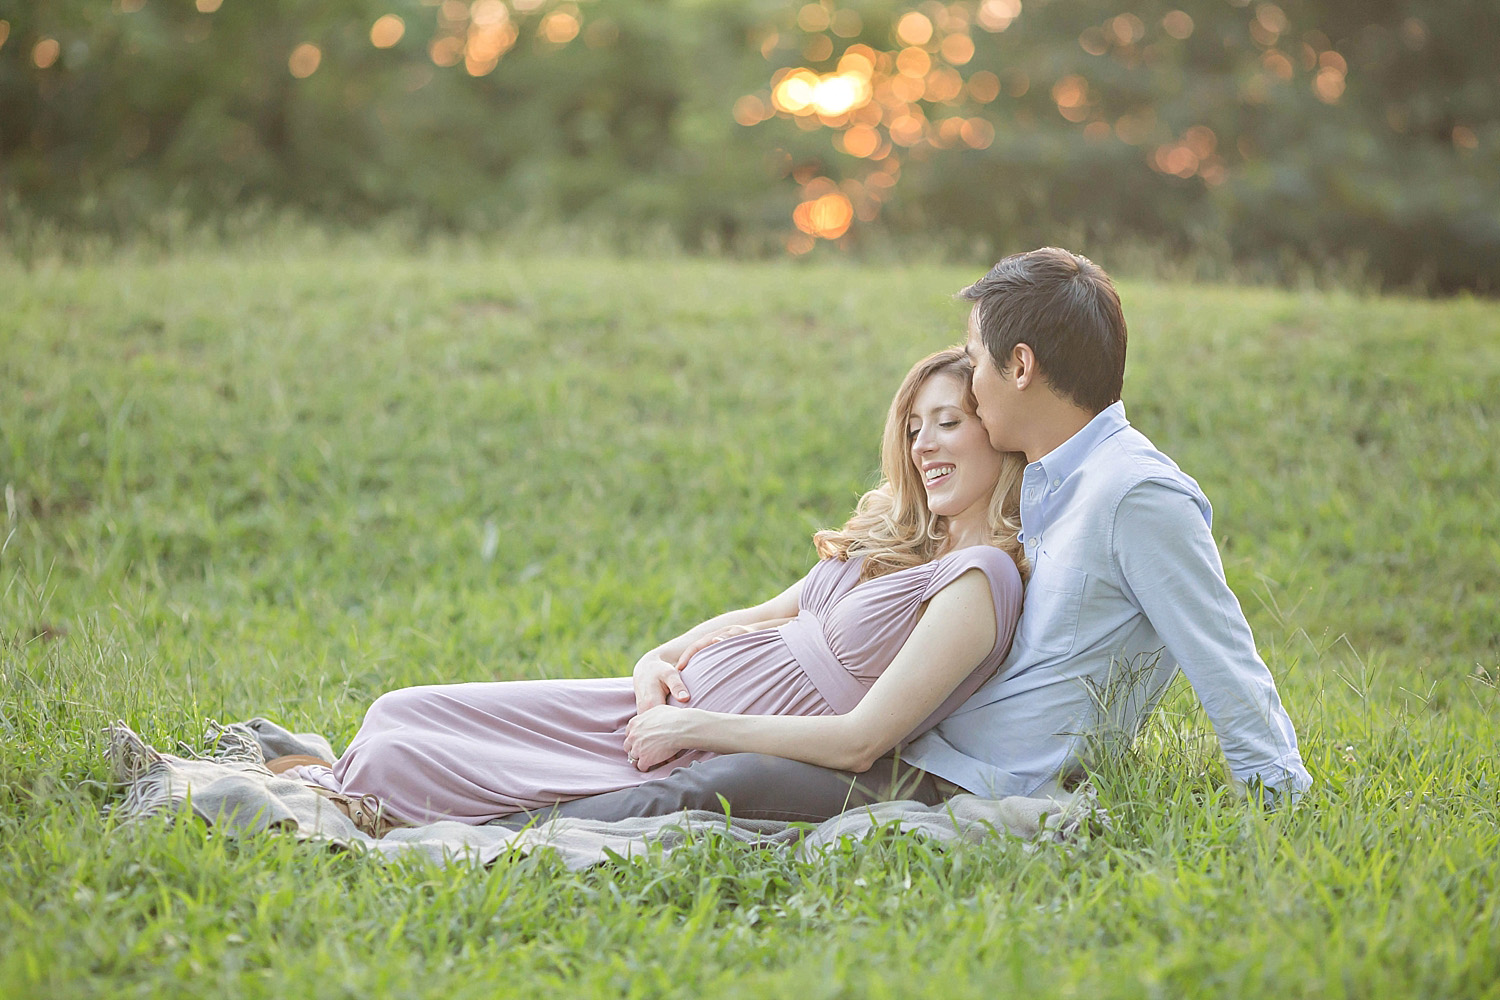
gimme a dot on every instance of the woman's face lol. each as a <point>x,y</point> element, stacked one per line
<point>951,451</point>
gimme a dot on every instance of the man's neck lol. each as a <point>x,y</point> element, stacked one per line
<point>1059,420</point>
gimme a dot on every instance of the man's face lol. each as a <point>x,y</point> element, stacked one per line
<point>994,392</point>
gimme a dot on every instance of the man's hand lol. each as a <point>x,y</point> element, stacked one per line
<point>656,736</point>
<point>654,680</point>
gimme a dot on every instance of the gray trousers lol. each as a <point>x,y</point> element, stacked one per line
<point>755,786</point>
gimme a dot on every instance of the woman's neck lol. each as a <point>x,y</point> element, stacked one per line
<point>964,532</point>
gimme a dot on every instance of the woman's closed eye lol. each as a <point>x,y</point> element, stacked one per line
<point>912,432</point>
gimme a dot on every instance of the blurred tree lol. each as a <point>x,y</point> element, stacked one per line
<point>461,115</point>
<point>1259,133</point>
<point>1275,135</point>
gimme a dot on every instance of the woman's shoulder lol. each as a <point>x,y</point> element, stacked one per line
<point>992,561</point>
<point>1002,577</point>
<point>984,556</point>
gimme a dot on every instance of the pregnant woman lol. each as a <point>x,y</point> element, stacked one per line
<point>910,608</point>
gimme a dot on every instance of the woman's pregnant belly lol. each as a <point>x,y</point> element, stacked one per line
<point>751,674</point>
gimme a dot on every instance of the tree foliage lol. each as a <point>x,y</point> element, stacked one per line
<point>1273,134</point>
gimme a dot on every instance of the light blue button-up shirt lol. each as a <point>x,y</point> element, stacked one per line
<point>1126,588</point>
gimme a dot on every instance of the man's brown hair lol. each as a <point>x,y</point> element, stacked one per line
<point>1065,308</point>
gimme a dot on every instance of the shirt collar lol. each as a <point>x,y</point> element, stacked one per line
<point>1064,460</point>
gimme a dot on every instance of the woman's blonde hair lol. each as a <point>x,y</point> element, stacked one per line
<point>892,526</point>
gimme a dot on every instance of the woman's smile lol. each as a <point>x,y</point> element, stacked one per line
<point>933,475</point>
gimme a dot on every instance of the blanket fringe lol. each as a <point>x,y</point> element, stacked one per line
<point>147,773</point>
<point>232,744</point>
<point>142,769</point>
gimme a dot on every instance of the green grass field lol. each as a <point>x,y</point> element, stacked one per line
<point>279,483</point>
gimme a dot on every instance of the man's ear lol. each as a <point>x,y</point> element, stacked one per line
<point>1023,365</point>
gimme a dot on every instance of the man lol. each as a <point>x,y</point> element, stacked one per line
<point>1126,588</point>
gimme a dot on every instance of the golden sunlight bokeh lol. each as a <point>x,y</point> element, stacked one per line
<point>387,31</point>
<point>916,94</point>
<point>304,60</point>
<point>1071,95</point>
<point>914,28</point>
<point>827,217</point>
<point>487,12</point>
<point>486,44</point>
<point>925,80</point>
<point>559,27</point>
<point>997,15</point>
<point>803,92</point>
<point>1178,24</point>
<point>881,104</point>
<point>45,52</point>
<point>479,33</point>
<point>860,140</point>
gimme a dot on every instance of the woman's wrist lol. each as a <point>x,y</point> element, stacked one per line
<point>690,726</point>
<point>694,729</point>
<point>648,659</point>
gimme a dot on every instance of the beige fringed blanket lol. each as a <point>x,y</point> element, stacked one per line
<point>229,787</point>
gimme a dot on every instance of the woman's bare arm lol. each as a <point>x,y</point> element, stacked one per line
<point>953,637</point>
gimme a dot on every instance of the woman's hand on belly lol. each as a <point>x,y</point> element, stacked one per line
<point>727,632</point>
<point>657,735</point>
<point>718,635</point>
<point>654,681</point>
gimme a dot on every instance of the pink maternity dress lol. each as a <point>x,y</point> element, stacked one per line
<point>475,752</point>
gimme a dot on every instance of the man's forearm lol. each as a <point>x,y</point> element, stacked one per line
<point>1169,560</point>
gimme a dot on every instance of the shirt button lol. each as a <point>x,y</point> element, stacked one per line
<point>1056,483</point>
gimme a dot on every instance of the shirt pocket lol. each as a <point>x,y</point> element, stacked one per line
<point>1049,616</point>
